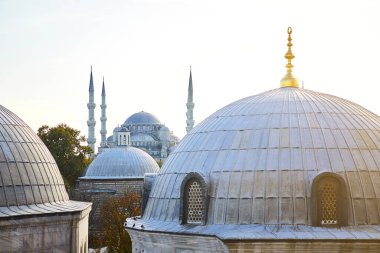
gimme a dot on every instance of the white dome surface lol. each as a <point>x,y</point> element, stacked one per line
<point>30,181</point>
<point>119,163</point>
<point>142,118</point>
<point>259,156</point>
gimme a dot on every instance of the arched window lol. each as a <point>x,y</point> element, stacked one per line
<point>329,200</point>
<point>193,200</point>
<point>194,192</point>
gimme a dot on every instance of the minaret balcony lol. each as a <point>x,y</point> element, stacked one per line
<point>91,122</point>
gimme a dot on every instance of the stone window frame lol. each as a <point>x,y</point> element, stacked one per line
<point>342,202</point>
<point>183,204</point>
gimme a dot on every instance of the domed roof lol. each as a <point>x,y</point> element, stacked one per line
<point>260,155</point>
<point>142,118</point>
<point>28,173</point>
<point>119,163</point>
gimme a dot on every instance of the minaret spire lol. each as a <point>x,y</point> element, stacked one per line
<point>190,105</point>
<point>91,115</point>
<point>103,119</point>
<point>289,80</point>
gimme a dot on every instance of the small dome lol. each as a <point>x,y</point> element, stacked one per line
<point>142,137</point>
<point>142,118</point>
<point>28,173</point>
<point>119,163</point>
<point>123,129</point>
<point>259,156</point>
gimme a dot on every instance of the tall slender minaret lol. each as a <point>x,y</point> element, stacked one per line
<point>190,105</point>
<point>103,119</point>
<point>91,117</point>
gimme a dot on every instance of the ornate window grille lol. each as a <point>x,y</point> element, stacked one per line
<point>328,200</point>
<point>194,202</point>
<point>329,204</point>
<point>193,206</point>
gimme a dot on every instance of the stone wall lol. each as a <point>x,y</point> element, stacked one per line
<point>98,191</point>
<point>58,232</point>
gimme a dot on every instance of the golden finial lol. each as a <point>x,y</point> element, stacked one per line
<point>289,80</point>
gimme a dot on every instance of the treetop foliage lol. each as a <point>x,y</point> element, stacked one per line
<point>65,144</point>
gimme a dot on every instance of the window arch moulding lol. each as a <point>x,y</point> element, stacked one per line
<point>329,200</point>
<point>194,199</point>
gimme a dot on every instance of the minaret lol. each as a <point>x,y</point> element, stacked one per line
<point>190,105</point>
<point>103,119</point>
<point>91,117</point>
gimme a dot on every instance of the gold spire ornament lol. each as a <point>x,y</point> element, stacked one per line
<point>289,80</point>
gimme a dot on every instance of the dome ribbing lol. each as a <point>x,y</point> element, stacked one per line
<point>141,118</point>
<point>28,173</point>
<point>259,156</point>
<point>121,163</point>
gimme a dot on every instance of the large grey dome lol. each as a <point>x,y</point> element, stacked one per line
<point>142,118</point>
<point>30,181</point>
<point>120,163</point>
<point>259,156</point>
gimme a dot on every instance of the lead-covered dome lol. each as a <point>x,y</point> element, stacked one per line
<point>260,160</point>
<point>121,163</point>
<point>30,181</point>
<point>142,118</point>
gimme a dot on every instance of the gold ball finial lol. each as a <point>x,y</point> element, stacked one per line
<point>289,80</point>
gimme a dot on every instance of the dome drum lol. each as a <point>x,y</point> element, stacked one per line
<point>114,172</point>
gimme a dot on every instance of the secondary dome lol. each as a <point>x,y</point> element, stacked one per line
<point>119,163</point>
<point>142,118</point>
<point>258,158</point>
<point>28,173</point>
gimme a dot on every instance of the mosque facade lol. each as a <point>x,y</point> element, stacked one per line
<point>144,129</point>
<point>287,170</point>
<point>36,214</point>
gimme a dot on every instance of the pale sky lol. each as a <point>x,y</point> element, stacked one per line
<point>144,49</point>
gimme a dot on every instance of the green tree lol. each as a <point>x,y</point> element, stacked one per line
<point>160,162</point>
<point>65,144</point>
<point>113,214</point>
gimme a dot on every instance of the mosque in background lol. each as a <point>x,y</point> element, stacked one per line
<point>142,130</point>
<point>287,170</point>
<point>126,159</point>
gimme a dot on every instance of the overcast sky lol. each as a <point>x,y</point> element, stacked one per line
<point>144,49</point>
